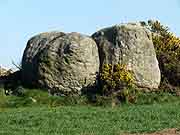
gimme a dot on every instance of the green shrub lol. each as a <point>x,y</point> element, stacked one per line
<point>114,78</point>
<point>117,82</point>
<point>129,95</point>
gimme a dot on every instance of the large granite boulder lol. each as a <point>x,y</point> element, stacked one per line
<point>130,44</point>
<point>63,63</point>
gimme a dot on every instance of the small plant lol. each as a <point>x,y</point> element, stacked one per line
<point>129,95</point>
<point>115,80</point>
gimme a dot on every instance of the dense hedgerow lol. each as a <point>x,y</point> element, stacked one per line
<point>167,47</point>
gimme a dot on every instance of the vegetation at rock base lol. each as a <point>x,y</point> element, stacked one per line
<point>117,81</point>
<point>115,77</point>
<point>167,47</point>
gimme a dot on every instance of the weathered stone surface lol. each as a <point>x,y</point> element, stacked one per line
<point>60,62</point>
<point>31,57</point>
<point>130,44</point>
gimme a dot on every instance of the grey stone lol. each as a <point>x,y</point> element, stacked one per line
<point>130,44</point>
<point>60,62</point>
<point>31,57</point>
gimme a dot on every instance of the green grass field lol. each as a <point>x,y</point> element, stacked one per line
<point>88,120</point>
<point>44,119</point>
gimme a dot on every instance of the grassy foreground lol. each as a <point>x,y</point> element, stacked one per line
<point>88,120</point>
<point>38,113</point>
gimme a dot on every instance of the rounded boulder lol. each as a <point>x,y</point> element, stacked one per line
<point>62,63</point>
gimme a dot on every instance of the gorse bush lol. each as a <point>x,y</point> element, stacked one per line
<point>115,78</point>
<point>117,86</point>
<point>167,47</point>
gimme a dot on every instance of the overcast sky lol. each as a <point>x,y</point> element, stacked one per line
<point>22,19</point>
